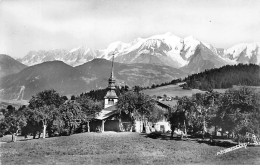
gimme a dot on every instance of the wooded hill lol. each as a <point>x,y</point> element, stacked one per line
<point>225,77</point>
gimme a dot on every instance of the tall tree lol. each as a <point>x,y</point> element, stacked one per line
<point>14,120</point>
<point>72,115</point>
<point>46,97</point>
<point>239,111</point>
<point>44,105</point>
<point>137,105</point>
<point>89,108</point>
<point>43,115</point>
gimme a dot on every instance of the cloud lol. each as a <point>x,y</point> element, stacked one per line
<point>40,24</point>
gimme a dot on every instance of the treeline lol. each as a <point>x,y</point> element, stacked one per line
<point>225,77</point>
<point>219,78</point>
<point>173,82</point>
<point>99,94</point>
<point>237,111</point>
<point>49,113</point>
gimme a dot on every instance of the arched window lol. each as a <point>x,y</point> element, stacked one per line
<point>110,101</point>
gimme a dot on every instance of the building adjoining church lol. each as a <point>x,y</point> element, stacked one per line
<point>109,119</point>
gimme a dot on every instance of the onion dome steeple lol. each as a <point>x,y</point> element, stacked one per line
<point>111,97</point>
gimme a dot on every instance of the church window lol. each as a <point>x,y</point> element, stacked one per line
<point>110,101</point>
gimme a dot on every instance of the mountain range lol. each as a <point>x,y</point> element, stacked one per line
<point>143,62</point>
<point>68,80</point>
<point>188,54</point>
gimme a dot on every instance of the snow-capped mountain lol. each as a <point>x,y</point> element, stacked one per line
<point>168,49</point>
<point>244,53</point>
<point>73,57</point>
<point>165,49</point>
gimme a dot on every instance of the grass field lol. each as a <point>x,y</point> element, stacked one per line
<point>120,148</point>
<point>175,90</point>
<point>15,103</point>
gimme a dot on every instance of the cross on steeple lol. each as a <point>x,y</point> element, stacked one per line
<point>112,69</point>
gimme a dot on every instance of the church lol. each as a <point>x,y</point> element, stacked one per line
<point>110,119</point>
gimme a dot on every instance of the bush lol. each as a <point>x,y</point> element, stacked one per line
<point>65,132</point>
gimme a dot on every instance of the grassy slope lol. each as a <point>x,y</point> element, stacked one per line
<point>171,90</point>
<point>120,148</point>
<point>175,90</point>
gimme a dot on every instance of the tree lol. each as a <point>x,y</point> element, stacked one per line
<point>71,115</point>
<point>239,112</point>
<point>202,104</point>
<point>137,105</point>
<point>44,105</point>
<point>47,97</point>
<point>89,108</point>
<point>195,111</point>
<point>3,125</point>
<point>43,115</point>
<point>156,114</point>
<point>14,120</point>
<point>137,89</point>
<point>184,113</point>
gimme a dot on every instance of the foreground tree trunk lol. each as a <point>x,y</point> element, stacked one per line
<point>88,126</point>
<point>216,131</point>
<point>13,137</point>
<point>172,132</point>
<point>204,126</point>
<point>44,131</point>
<point>120,125</point>
<point>238,139</point>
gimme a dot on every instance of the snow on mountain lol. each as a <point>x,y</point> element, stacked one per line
<point>163,49</point>
<point>114,48</point>
<point>73,57</point>
<point>244,53</point>
<point>37,57</point>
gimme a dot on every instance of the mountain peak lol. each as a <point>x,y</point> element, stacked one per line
<point>8,65</point>
<point>167,49</point>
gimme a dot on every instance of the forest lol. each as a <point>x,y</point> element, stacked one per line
<point>225,77</point>
<point>219,78</point>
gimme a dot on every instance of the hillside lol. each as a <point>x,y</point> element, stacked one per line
<point>8,65</point>
<point>225,77</point>
<point>48,75</point>
<point>68,80</point>
<point>128,74</point>
<point>171,90</point>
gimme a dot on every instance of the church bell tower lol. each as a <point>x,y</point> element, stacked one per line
<point>111,97</point>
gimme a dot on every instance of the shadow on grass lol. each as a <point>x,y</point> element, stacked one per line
<point>225,144</point>
<point>158,135</point>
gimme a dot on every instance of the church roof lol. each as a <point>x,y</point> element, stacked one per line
<point>111,94</point>
<point>107,112</point>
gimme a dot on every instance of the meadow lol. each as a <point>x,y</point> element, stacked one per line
<point>119,148</point>
<point>175,90</point>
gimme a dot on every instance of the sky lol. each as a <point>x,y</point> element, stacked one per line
<point>27,25</point>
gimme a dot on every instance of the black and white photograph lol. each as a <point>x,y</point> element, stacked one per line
<point>130,82</point>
